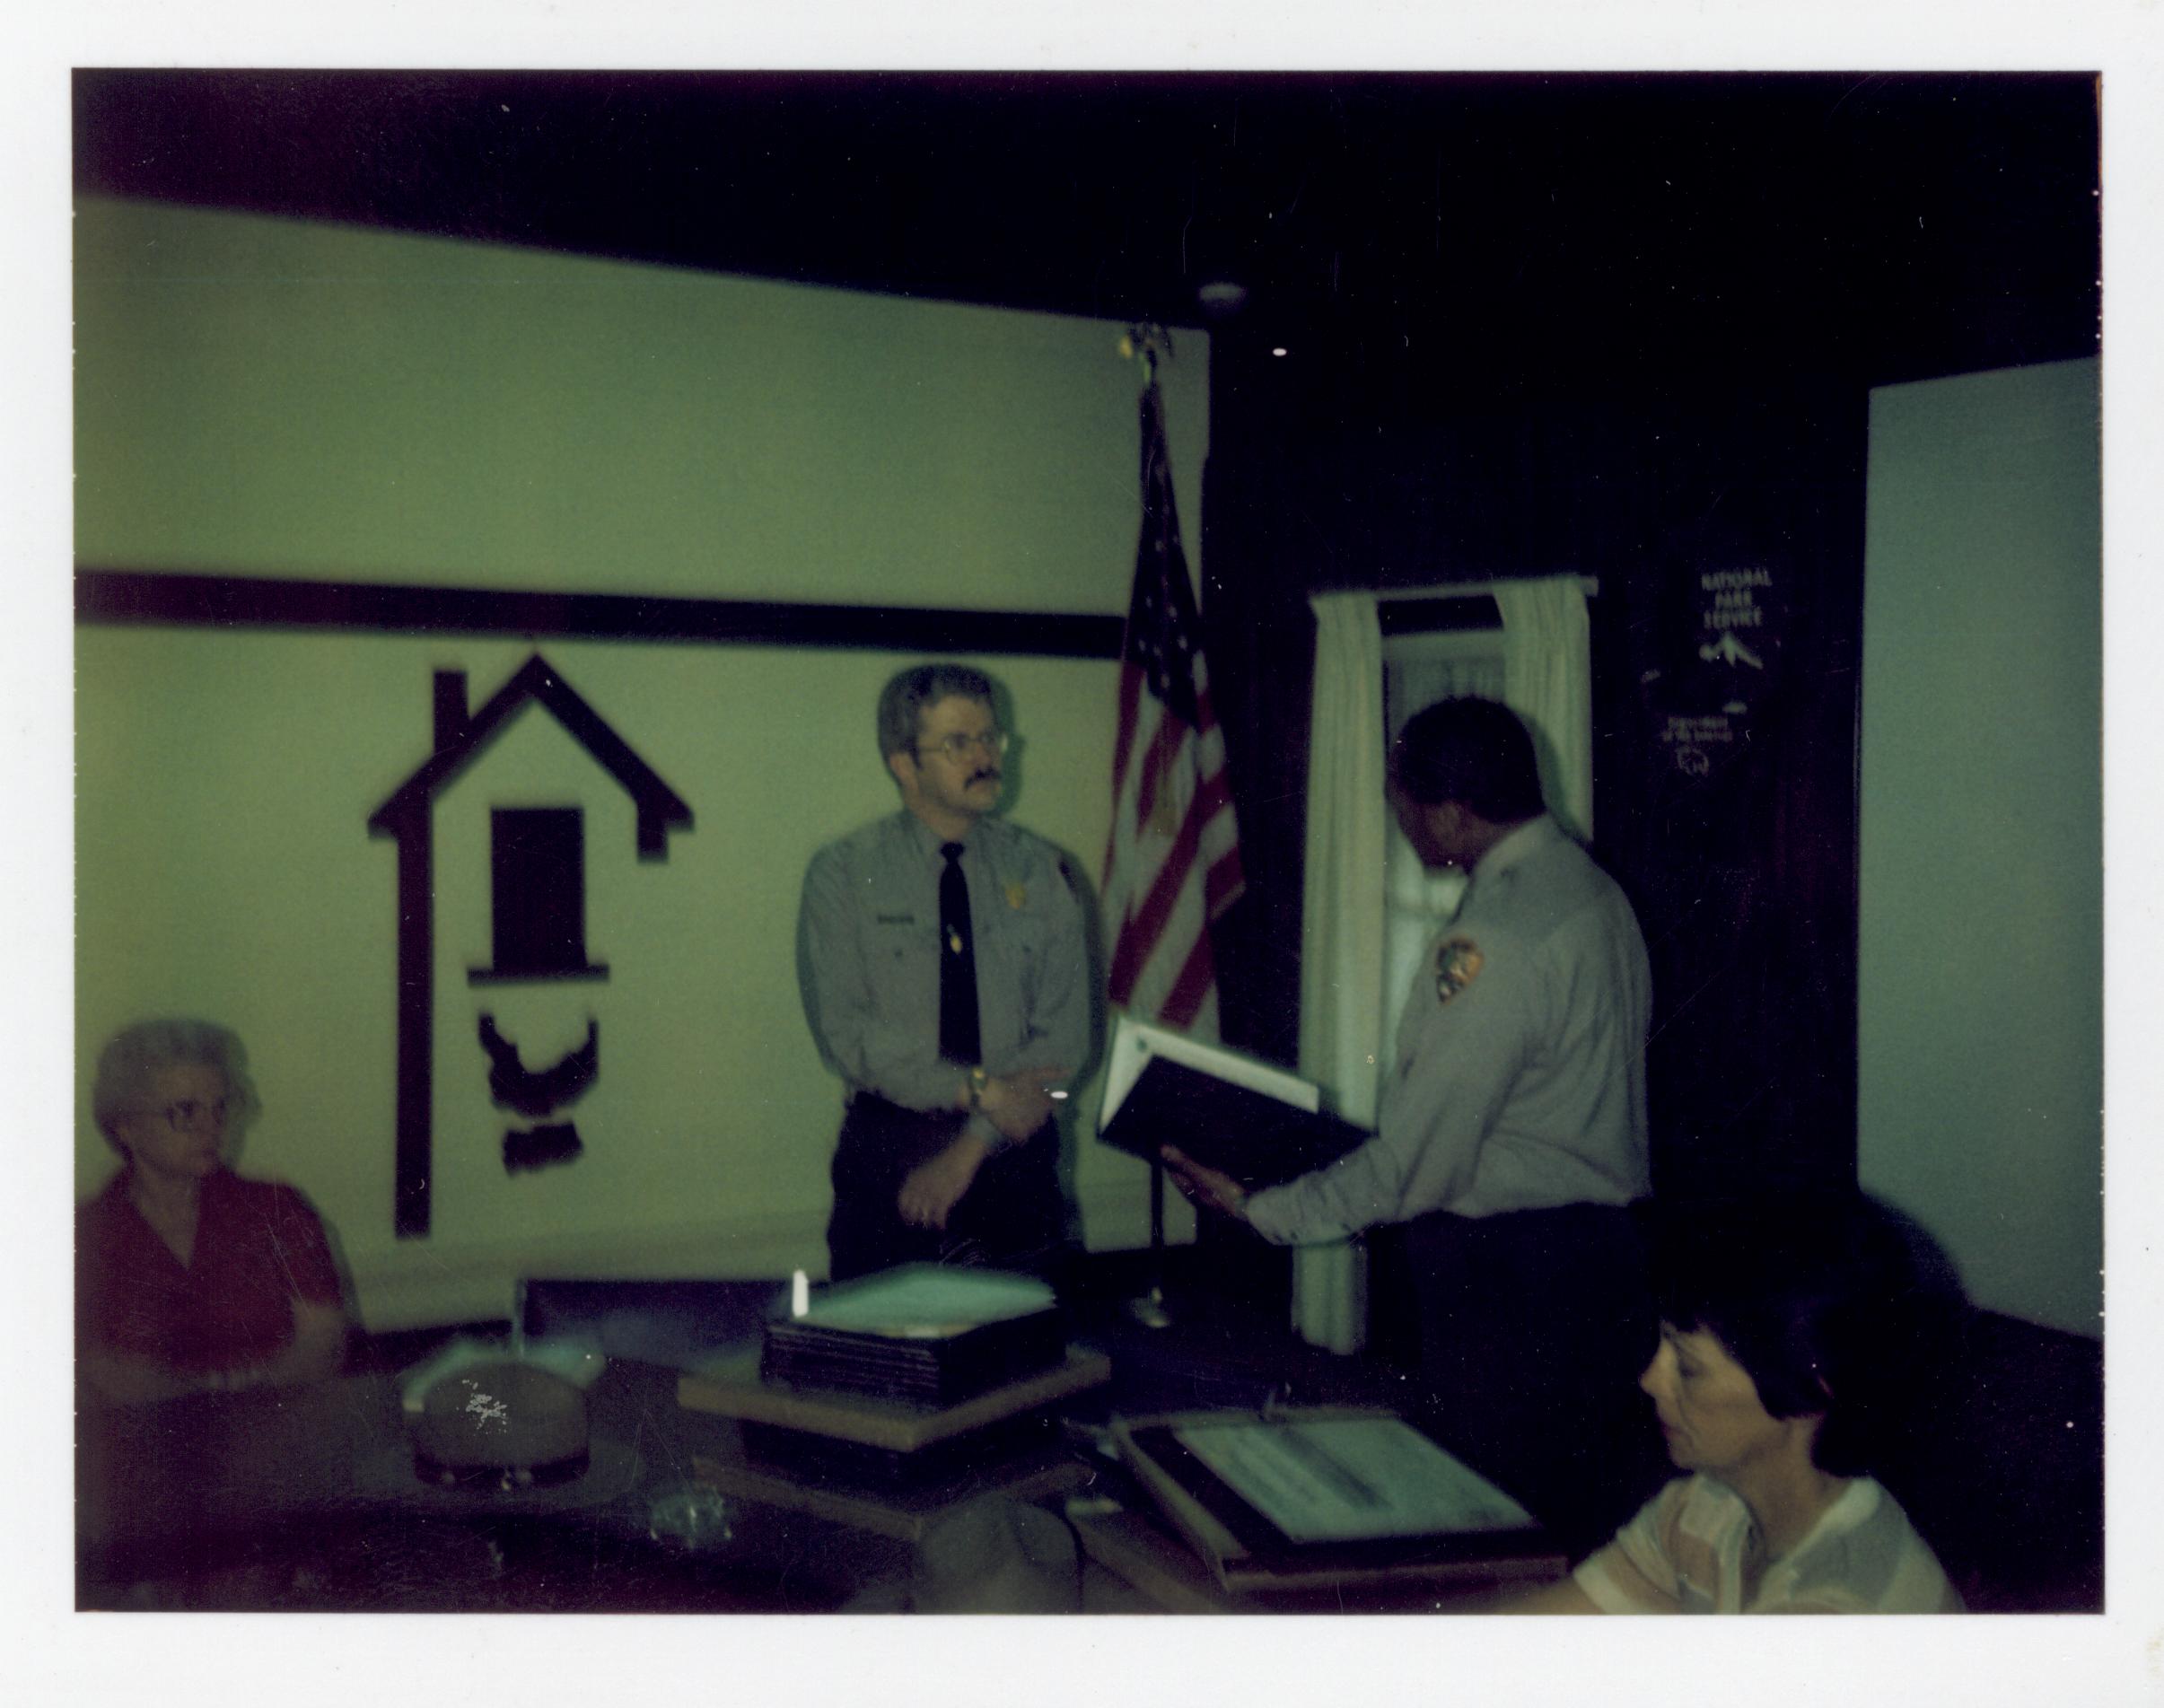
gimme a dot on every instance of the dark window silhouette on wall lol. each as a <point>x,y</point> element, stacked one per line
<point>537,872</point>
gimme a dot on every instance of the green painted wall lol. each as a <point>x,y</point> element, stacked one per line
<point>276,397</point>
<point>1981,971</point>
<point>286,397</point>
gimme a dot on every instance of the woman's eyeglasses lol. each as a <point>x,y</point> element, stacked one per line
<point>187,1115</point>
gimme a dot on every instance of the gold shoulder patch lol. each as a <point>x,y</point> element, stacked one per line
<point>1018,898</point>
<point>1458,963</point>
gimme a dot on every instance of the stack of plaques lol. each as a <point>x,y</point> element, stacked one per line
<point>918,1335</point>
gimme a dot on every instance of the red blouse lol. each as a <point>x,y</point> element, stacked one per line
<point>259,1246</point>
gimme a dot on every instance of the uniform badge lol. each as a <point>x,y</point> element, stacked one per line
<point>1458,963</point>
<point>1017,896</point>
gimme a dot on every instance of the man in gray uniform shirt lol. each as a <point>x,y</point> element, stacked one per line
<point>1510,1135</point>
<point>941,957</point>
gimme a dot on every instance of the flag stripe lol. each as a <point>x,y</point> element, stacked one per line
<point>1162,958</point>
<point>1163,894</point>
<point>1197,977</point>
<point>1130,697</point>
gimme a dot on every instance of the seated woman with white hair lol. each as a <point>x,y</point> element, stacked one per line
<point>189,1278</point>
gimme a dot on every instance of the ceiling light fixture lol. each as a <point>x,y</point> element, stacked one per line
<point>1221,297</point>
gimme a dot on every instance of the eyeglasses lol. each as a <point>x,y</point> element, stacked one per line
<point>957,747</point>
<point>187,1115</point>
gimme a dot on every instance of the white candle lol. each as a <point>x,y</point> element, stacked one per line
<point>800,1293</point>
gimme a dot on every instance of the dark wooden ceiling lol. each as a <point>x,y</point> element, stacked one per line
<point>1882,227</point>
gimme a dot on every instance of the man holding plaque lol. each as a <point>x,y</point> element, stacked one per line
<point>1512,1130</point>
<point>942,963</point>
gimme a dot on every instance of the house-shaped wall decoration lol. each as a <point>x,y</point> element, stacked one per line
<point>537,866</point>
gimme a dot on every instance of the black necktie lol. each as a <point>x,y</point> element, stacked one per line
<point>958,1040</point>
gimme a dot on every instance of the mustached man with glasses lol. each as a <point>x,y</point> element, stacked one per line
<point>941,955</point>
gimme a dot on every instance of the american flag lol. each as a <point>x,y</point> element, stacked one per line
<point>1173,864</point>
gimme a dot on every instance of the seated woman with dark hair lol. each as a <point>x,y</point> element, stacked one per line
<point>1781,1338</point>
<point>189,1278</point>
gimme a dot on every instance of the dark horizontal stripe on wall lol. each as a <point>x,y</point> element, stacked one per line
<point>137,597</point>
<point>1432,615</point>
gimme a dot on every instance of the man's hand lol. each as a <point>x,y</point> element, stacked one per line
<point>1020,1104</point>
<point>1205,1187</point>
<point>933,1189</point>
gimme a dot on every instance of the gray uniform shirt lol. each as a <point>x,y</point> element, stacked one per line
<point>1520,1076</point>
<point>868,959</point>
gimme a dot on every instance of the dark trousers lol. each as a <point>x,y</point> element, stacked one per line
<point>1012,1217</point>
<point>1533,1327</point>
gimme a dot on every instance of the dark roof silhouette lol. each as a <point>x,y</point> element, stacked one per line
<point>658,806</point>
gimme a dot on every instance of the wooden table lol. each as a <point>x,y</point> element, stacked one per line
<point>305,1499</point>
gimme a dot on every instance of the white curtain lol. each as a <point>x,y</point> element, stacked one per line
<point>1341,933</point>
<point>1347,964</point>
<point>1547,679</point>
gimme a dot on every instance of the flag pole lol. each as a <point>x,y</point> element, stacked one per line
<point>1148,1307</point>
<point>1172,856</point>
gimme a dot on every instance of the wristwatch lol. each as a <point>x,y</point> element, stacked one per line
<point>978,1080</point>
